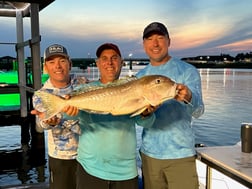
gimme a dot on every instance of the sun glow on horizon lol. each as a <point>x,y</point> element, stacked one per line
<point>245,45</point>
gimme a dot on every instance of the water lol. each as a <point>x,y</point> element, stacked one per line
<point>227,97</point>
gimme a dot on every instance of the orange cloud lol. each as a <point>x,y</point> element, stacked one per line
<point>245,45</point>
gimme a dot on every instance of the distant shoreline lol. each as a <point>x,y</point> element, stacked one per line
<point>84,63</point>
<point>223,65</point>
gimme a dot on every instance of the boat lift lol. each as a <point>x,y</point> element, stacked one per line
<point>21,9</point>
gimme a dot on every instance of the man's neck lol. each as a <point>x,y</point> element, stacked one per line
<point>60,84</point>
<point>160,62</point>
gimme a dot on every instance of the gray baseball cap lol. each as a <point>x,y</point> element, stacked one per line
<point>55,49</point>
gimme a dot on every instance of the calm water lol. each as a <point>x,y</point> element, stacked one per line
<point>227,97</point>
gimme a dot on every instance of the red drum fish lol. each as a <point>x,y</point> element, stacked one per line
<point>132,97</point>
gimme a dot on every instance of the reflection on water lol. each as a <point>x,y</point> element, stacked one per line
<point>21,163</point>
<point>227,97</point>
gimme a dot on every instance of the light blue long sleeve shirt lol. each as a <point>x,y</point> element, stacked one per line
<point>107,144</point>
<point>171,135</point>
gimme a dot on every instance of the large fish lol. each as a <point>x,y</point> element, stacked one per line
<point>129,97</point>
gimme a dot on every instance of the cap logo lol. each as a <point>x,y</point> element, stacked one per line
<point>56,49</point>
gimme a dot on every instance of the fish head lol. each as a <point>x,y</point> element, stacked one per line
<point>158,88</point>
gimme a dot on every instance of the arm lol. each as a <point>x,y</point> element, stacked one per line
<point>191,93</point>
<point>147,118</point>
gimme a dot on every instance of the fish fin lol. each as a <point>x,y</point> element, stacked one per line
<point>88,87</point>
<point>122,81</point>
<point>51,103</point>
<point>84,88</point>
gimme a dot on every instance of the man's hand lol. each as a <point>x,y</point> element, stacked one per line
<point>71,110</point>
<point>41,115</point>
<point>149,110</point>
<point>52,121</point>
<point>184,94</point>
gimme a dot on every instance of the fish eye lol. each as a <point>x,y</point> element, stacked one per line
<point>158,81</point>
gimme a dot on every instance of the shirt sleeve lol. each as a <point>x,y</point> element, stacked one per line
<point>193,82</point>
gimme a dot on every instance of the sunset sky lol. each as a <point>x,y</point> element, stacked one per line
<point>196,27</point>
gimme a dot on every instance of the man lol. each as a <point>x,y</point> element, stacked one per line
<point>63,131</point>
<point>167,150</point>
<point>107,144</point>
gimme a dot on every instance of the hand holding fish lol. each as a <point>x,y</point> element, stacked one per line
<point>37,113</point>
<point>184,94</point>
<point>70,110</point>
<point>149,110</point>
<point>51,121</point>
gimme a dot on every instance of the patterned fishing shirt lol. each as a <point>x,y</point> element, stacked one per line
<point>63,138</point>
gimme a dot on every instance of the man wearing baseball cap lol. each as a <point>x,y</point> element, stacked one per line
<point>63,131</point>
<point>167,149</point>
<point>109,66</point>
<point>107,145</point>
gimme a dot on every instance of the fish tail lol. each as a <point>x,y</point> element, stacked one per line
<point>51,103</point>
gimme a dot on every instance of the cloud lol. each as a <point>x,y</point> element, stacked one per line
<point>196,27</point>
